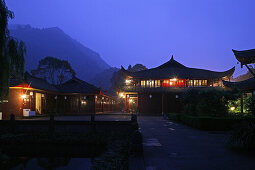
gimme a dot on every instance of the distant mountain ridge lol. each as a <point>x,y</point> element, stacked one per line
<point>104,78</point>
<point>54,42</point>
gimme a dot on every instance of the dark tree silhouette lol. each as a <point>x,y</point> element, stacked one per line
<point>54,70</point>
<point>11,53</point>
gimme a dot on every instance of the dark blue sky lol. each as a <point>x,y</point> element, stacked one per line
<point>199,33</point>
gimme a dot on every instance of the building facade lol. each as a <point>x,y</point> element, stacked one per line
<point>39,97</point>
<point>158,90</point>
<point>247,87</point>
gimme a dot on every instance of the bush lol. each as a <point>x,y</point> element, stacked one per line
<point>250,105</point>
<point>212,102</point>
<point>173,116</point>
<point>212,123</point>
<point>243,137</point>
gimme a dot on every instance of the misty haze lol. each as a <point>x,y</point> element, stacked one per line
<point>139,85</point>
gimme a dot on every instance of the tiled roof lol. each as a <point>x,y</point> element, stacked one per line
<point>245,56</point>
<point>248,84</point>
<point>76,85</point>
<point>172,69</point>
<point>39,83</point>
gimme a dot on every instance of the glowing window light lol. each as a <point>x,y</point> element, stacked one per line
<point>174,79</point>
<point>130,100</point>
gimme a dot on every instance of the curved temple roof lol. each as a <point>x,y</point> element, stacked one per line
<point>246,56</point>
<point>172,69</point>
<point>248,84</point>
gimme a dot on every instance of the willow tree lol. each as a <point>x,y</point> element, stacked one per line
<point>11,52</point>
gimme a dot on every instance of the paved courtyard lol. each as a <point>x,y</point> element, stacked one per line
<point>172,146</point>
<point>98,117</point>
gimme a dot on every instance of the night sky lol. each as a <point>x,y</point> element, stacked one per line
<point>199,33</point>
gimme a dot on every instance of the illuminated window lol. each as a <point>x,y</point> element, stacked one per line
<point>166,83</point>
<point>150,83</point>
<point>180,83</point>
<point>142,83</point>
<point>157,83</point>
<point>173,82</point>
<point>199,82</point>
<point>204,82</point>
<point>195,82</point>
<point>190,83</point>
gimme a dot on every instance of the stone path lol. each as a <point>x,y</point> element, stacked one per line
<point>172,146</point>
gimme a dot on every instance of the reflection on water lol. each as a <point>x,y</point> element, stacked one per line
<point>53,163</point>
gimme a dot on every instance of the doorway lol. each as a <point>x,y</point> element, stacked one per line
<point>38,103</point>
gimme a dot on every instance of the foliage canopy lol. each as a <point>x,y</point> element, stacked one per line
<point>12,53</point>
<point>54,70</point>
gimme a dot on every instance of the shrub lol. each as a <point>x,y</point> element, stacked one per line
<point>250,105</point>
<point>207,101</point>
<point>213,123</point>
<point>243,137</point>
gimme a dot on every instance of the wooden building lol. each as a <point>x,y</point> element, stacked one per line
<point>39,97</point>
<point>247,87</point>
<point>158,90</point>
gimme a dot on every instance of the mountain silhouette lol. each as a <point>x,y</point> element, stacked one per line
<point>54,42</point>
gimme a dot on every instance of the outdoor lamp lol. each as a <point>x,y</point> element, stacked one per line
<point>232,108</point>
<point>23,96</point>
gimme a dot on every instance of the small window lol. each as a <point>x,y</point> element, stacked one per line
<point>142,83</point>
<point>166,83</point>
<point>190,83</point>
<point>150,83</point>
<point>157,83</point>
<point>204,82</point>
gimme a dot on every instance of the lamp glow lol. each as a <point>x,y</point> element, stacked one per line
<point>23,96</point>
<point>232,108</point>
<point>128,81</point>
<point>121,95</point>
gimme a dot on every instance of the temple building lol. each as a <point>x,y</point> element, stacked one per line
<point>158,90</point>
<point>35,96</point>
<point>247,87</point>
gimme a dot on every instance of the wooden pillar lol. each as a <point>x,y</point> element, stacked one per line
<point>94,105</point>
<point>163,104</point>
<point>79,104</point>
<point>102,104</point>
<point>241,102</point>
<point>22,103</point>
<point>137,105</point>
<point>129,106</point>
<point>125,102</point>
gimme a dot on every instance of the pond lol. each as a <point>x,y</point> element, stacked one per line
<point>59,163</point>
